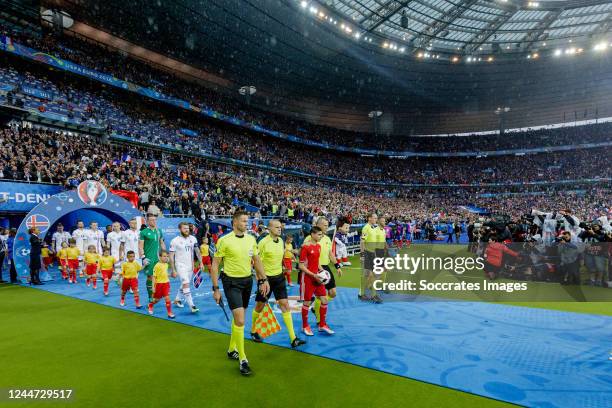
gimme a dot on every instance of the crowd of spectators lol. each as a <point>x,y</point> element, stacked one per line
<point>175,184</point>
<point>125,67</point>
<point>156,124</point>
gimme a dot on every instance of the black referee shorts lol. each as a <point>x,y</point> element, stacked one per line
<point>278,286</point>
<point>237,290</point>
<point>368,260</point>
<point>332,282</point>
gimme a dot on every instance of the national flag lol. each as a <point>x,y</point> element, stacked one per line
<point>38,221</point>
<point>116,162</point>
<point>126,158</point>
<point>155,164</point>
<point>131,196</point>
<point>198,278</point>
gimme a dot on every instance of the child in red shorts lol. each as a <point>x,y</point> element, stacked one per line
<point>161,284</point>
<point>129,271</point>
<point>107,267</point>
<point>205,252</point>
<point>62,256</point>
<point>72,255</point>
<point>46,256</point>
<point>92,266</point>
<point>288,259</point>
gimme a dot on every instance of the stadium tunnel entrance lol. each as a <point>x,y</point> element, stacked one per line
<point>89,202</point>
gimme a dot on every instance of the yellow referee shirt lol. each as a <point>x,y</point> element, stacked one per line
<point>373,237</point>
<point>160,273</point>
<point>130,269</point>
<point>271,253</point>
<point>326,246</point>
<point>237,253</point>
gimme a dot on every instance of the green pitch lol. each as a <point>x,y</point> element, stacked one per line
<point>114,358</point>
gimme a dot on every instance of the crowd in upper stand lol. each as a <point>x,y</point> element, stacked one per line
<point>133,70</point>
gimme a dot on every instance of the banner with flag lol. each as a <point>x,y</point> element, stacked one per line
<point>131,196</point>
<point>267,324</point>
<point>198,278</point>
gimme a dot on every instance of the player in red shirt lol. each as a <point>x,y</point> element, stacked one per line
<point>311,284</point>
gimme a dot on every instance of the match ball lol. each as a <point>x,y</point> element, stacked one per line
<point>324,276</point>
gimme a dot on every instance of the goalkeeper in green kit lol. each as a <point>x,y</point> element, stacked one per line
<point>150,244</point>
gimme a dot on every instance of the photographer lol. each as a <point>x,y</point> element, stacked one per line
<point>537,265</point>
<point>471,236</point>
<point>494,256</point>
<point>570,264</point>
<point>595,257</point>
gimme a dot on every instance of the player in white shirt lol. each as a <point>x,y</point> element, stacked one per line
<point>59,237</point>
<point>130,240</point>
<point>95,237</point>
<point>115,241</point>
<point>339,245</point>
<point>80,236</point>
<point>182,248</point>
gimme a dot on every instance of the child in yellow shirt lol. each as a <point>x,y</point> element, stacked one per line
<point>45,253</point>
<point>62,255</point>
<point>161,284</point>
<point>205,251</point>
<point>107,266</point>
<point>92,267</point>
<point>129,271</point>
<point>72,255</point>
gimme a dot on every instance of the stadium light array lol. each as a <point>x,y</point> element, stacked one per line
<point>320,12</point>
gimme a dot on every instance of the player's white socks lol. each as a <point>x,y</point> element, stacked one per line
<point>178,295</point>
<point>187,295</point>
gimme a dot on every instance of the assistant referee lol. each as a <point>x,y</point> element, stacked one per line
<point>238,251</point>
<point>372,245</point>
<point>271,251</point>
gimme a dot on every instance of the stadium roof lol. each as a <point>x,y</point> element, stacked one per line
<point>466,27</point>
<point>305,65</point>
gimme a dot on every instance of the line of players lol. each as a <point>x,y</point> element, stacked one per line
<point>87,251</point>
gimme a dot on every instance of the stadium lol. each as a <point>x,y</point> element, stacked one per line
<point>306,203</point>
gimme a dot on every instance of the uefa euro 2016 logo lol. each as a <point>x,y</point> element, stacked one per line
<point>92,192</point>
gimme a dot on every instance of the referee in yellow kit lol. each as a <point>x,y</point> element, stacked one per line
<point>238,251</point>
<point>271,251</point>
<point>372,245</point>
